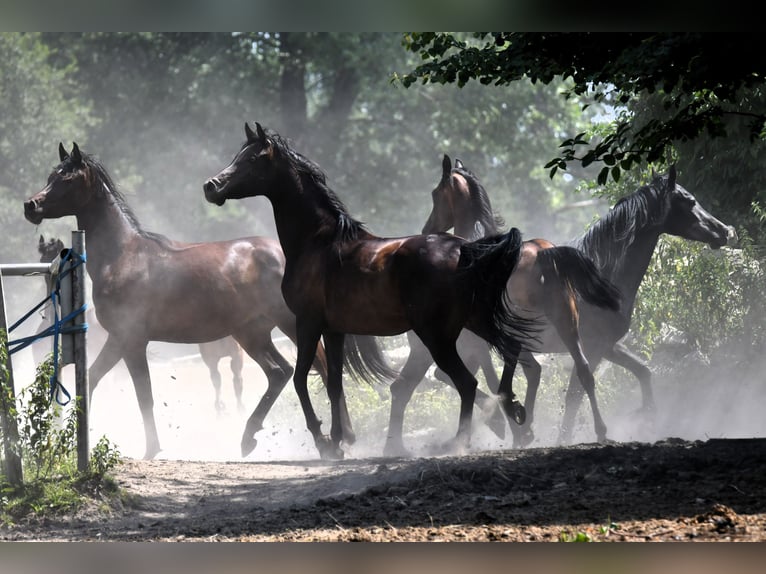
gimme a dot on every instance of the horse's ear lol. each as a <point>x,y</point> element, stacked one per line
<point>76,155</point>
<point>42,240</point>
<point>62,152</point>
<point>672,177</point>
<point>261,133</point>
<point>459,164</point>
<point>249,133</point>
<point>446,166</point>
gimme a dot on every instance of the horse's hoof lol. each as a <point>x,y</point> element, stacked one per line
<point>453,447</point>
<point>396,449</point>
<point>151,452</point>
<point>328,450</point>
<point>524,439</point>
<point>248,445</point>
<point>516,412</point>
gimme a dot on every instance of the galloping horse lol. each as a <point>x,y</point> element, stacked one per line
<point>548,284</point>
<point>211,353</point>
<point>621,245</point>
<point>340,279</point>
<point>147,287</point>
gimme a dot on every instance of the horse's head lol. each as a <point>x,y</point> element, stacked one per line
<point>250,173</point>
<point>65,192</point>
<point>442,216</point>
<point>461,202</point>
<point>48,250</point>
<point>686,218</point>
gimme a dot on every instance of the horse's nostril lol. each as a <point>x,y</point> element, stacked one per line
<point>209,186</point>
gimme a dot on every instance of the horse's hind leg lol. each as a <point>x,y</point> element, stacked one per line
<point>402,388</point>
<point>561,310</point>
<point>475,354</point>
<point>277,370</point>
<point>574,394</point>
<point>215,378</point>
<point>523,434</point>
<point>236,365</point>
<point>444,353</point>
<point>620,355</point>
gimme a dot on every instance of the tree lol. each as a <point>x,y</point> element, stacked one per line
<point>700,76</point>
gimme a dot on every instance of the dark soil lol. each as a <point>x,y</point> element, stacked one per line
<point>672,490</point>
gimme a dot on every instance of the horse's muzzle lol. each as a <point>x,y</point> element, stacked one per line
<point>32,212</point>
<point>211,192</point>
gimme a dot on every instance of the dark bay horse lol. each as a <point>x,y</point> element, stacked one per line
<point>341,280</point>
<point>621,245</point>
<point>147,287</point>
<point>548,284</point>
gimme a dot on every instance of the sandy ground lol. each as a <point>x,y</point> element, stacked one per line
<point>706,485</point>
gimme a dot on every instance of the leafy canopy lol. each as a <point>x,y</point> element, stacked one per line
<point>700,77</point>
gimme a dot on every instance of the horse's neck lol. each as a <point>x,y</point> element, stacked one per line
<point>107,232</point>
<point>465,227</point>
<point>629,271</point>
<point>297,224</point>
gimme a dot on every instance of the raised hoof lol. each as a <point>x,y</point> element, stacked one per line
<point>328,450</point>
<point>248,445</point>
<point>516,412</point>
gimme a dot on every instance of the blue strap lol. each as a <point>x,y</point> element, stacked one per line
<point>56,329</point>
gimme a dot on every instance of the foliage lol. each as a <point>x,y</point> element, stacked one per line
<point>715,298</point>
<point>47,446</point>
<point>39,104</point>
<point>566,536</point>
<point>701,79</point>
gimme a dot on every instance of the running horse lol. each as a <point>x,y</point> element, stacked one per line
<point>211,352</point>
<point>342,280</point>
<point>621,245</point>
<point>147,287</point>
<point>548,285</point>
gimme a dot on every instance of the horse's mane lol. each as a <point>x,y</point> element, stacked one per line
<point>609,238</point>
<point>105,184</point>
<point>482,207</point>
<point>310,173</point>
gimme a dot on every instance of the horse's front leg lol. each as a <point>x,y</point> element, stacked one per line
<point>333,343</point>
<point>307,339</point>
<point>107,358</point>
<point>138,367</point>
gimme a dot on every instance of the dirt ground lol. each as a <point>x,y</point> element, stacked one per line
<point>672,490</point>
<point>198,489</point>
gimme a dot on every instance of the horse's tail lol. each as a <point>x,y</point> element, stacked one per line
<point>487,263</point>
<point>365,361</point>
<point>571,267</point>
